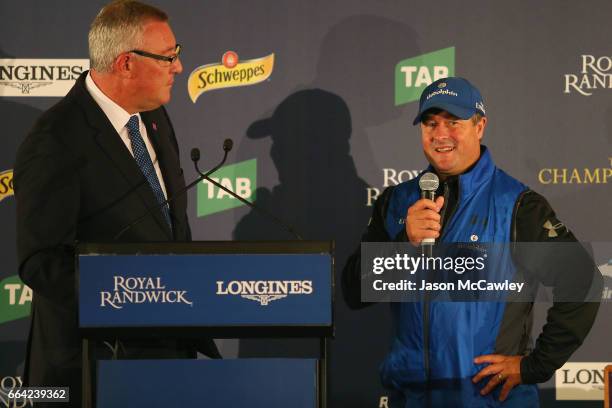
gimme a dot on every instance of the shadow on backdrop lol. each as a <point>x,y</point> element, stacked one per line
<point>320,192</point>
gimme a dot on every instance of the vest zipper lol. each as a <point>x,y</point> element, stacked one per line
<point>426,325</point>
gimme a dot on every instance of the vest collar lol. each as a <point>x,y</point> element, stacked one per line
<point>477,175</point>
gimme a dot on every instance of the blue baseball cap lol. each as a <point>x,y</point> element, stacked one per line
<point>455,95</point>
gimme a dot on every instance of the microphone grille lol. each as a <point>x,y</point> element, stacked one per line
<point>195,154</point>
<point>429,182</point>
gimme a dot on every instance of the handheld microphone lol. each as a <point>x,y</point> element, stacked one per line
<point>227,146</point>
<point>195,157</point>
<point>428,183</point>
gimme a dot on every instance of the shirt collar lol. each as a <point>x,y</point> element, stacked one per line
<point>117,116</point>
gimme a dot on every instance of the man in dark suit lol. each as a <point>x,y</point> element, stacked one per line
<point>102,156</point>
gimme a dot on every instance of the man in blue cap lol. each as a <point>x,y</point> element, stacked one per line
<point>472,354</point>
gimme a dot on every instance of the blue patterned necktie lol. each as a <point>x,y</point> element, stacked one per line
<point>146,165</point>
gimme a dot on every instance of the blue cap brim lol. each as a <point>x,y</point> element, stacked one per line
<point>458,111</point>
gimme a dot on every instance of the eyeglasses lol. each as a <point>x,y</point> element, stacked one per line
<point>166,58</point>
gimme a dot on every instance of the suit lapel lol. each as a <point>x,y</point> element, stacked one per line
<point>117,153</point>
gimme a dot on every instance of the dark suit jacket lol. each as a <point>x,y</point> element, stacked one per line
<point>76,181</point>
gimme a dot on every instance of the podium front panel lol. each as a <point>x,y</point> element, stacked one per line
<point>207,383</point>
<point>205,290</point>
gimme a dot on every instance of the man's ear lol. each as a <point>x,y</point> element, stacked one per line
<point>123,65</point>
<point>480,127</point>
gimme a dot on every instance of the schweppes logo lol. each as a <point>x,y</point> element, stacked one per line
<point>6,184</point>
<point>231,72</point>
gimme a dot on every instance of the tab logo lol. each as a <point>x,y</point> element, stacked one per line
<point>264,292</point>
<point>412,75</point>
<point>15,299</point>
<point>228,74</point>
<point>39,77</point>
<point>241,178</point>
<point>6,184</point>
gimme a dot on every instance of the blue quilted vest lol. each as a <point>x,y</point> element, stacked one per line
<point>440,371</point>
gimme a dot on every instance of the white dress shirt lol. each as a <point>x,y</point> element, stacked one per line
<point>118,117</point>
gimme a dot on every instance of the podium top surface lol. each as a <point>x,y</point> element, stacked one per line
<point>207,247</point>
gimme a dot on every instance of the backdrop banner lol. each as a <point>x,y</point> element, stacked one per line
<point>319,98</point>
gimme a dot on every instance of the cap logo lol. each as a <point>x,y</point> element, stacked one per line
<point>442,92</point>
<point>480,105</point>
<point>442,85</point>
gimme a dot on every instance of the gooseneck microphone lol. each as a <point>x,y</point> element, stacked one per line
<point>428,183</point>
<point>195,157</point>
<point>227,146</point>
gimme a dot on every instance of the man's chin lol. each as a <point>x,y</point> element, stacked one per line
<point>166,98</point>
<point>442,166</point>
<point>163,100</point>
